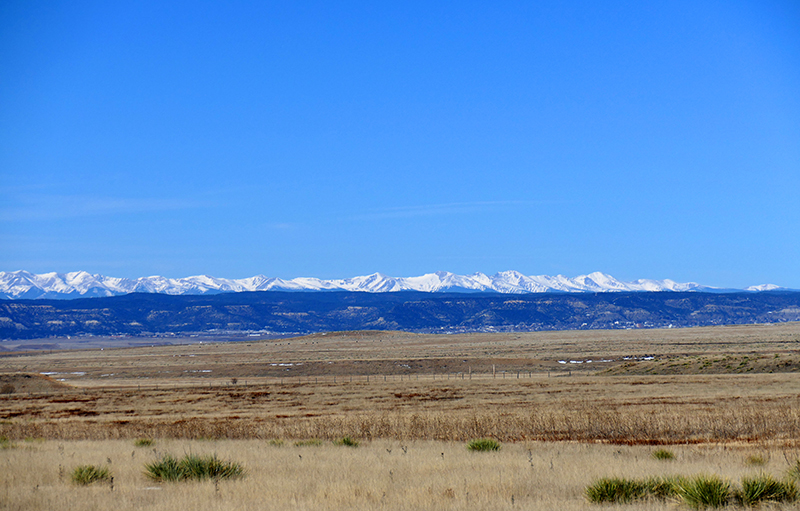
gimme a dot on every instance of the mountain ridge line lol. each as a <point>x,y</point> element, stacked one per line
<point>80,284</point>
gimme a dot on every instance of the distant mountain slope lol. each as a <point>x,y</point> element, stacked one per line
<point>273,311</point>
<point>25,285</point>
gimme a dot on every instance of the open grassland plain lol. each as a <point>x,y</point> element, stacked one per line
<point>618,409</point>
<point>569,408</point>
<point>381,474</point>
<point>706,350</point>
<point>651,386</point>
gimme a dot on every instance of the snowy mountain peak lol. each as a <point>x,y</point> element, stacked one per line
<point>764,287</point>
<point>22,284</point>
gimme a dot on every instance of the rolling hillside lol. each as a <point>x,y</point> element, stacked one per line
<point>287,312</point>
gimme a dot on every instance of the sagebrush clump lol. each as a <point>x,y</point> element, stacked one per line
<point>347,442</point>
<point>703,491</point>
<point>756,460</point>
<point>167,468</point>
<point>192,467</point>
<point>663,454</point>
<point>794,470</point>
<point>664,487</point>
<point>765,488</point>
<point>88,474</point>
<point>616,490</point>
<point>699,491</point>
<point>484,444</point>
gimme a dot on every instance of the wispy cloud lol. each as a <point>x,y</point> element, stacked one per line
<point>53,207</point>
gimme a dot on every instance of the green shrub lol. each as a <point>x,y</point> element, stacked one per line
<point>704,491</point>
<point>5,443</point>
<point>699,492</point>
<point>144,442</point>
<point>167,468</point>
<point>88,474</point>
<point>764,487</point>
<point>663,487</point>
<point>615,490</point>
<point>663,454</point>
<point>192,466</point>
<point>794,470</point>
<point>314,442</point>
<point>276,442</point>
<point>755,461</point>
<point>209,467</point>
<point>347,442</point>
<point>483,444</point>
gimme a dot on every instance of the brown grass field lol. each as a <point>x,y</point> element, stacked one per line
<point>568,406</point>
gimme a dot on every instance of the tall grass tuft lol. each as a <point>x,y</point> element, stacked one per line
<point>755,460</point>
<point>483,444</point>
<point>663,454</point>
<point>615,490</point>
<point>699,492</point>
<point>765,488</point>
<point>192,467</point>
<point>88,474</point>
<point>794,470</point>
<point>347,442</point>
<point>167,468</point>
<point>664,487</point>
<point>144,442</point>
<point>209,467</point>
<point>704,491</point>
<point>5,443</point>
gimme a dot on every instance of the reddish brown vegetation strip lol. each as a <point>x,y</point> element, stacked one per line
<point>677,410</point>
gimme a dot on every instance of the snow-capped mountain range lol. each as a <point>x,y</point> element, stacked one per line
<point>81,284</point>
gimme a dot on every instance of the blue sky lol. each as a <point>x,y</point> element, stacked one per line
<point>334,139</point>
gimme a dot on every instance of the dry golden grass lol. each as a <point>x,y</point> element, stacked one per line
<point>398,353</point>
<point>377,475</point>
<point>13,383</point>
<point>630,409</point>
<point>721,397</point>
<point>510,386</point>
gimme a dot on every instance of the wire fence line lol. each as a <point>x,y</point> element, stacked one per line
<point>244,383</point>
